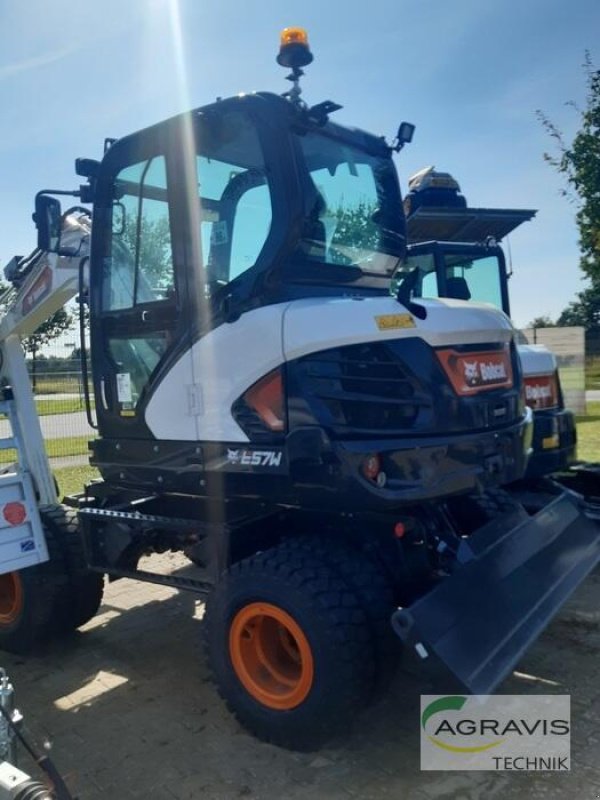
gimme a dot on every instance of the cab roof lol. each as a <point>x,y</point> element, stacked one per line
<point>472,225</point>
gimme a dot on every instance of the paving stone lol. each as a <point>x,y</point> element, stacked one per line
<point>132,715</point>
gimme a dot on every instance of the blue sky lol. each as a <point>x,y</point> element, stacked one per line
<point>469,74</point>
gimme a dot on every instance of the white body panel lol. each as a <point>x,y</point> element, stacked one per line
<point>319,324</point>
<point>196,405</point>
<point>536,360</point>
<point>22,542</point>
<point>172,412</point>
<point>224,363</point>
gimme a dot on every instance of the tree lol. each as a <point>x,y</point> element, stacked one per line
<point>355,227</point>
<point>579,162</point>
<point>542,322</point>
<point>60,322</point>
<point>154,240</point>
<point>583,311</point>
<point>359,232</point>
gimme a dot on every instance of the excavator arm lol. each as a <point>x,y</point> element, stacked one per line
<point>41,283</point>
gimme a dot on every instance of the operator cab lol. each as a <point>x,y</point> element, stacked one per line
<point>460,271</point>
<point>277,198</point>
<point>453,250</point>
<point>240,204</point>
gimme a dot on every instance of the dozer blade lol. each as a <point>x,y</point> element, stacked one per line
<point>477,623</point>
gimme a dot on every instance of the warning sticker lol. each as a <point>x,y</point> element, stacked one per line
<point>388,322</point>
<point>124,387</point>
<point>218,234</point>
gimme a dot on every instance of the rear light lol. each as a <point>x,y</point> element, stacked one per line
<point>266,398</point>
<point>551,442</point>
<point>371,467</point>
<point>14,513</point>
<point>541,392</point>
<point>399,530</point>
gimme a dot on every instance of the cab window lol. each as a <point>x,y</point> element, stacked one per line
<point>235,198</point>
<point>475,279</point>
<point>139,267</point>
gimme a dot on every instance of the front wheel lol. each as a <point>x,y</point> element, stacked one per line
<point>289,647</point>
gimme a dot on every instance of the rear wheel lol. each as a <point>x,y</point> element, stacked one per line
<point>53,598</point>
<point>289,647</point>
<point>85,587</point>
<point>33,602</point>
<point>11,597</point>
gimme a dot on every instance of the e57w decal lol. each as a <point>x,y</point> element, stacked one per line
<point>255,458</point>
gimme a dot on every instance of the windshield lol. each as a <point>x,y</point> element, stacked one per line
<point>354,213</point>
<point>466,277</point>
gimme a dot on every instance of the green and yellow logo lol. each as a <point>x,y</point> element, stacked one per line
<point>448,704</point>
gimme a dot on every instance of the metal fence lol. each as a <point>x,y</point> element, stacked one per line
<point>56,379</point>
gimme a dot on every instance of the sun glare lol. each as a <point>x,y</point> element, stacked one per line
<point>207,382</point>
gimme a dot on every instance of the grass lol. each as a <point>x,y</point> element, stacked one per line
<point>588,434</point>
<point>58,385</point>
<point>55,448</point>
<point>592,372</point>
<point>71,480</point>
<point>59,405</point>
<point>69,446</point>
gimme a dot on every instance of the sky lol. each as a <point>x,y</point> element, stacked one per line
<point>469,74</point>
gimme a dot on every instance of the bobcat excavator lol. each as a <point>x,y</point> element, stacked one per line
<point>327,452</point>
<point>456,252</point>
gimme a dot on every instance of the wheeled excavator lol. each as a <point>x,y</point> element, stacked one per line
<point>328,452</point>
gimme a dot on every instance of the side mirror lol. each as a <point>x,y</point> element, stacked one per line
<point>48,221</point>
<point>87,167</point>
<point>404,136</point>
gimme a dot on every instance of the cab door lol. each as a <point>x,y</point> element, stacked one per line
<point>139,309</point>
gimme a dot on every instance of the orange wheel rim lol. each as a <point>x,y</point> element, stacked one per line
<point>11,597</point>
<point>271,656</point>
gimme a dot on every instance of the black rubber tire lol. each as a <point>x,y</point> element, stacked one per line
<point>374,593</point>
<point>45,601</point>
<point>472,511</point>
<point>334,624</point>
<point>85,586</point>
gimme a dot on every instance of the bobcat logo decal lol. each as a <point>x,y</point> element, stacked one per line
<point>233,456</point>
<point>471,372</point>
